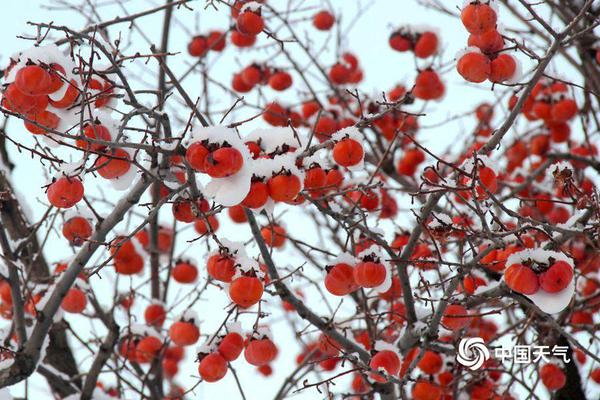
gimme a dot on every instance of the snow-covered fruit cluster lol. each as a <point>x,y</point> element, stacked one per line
<point>486,57</point>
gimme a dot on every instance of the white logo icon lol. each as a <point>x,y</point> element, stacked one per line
<point>472,353</point>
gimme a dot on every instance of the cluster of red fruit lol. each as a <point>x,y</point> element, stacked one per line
<point>343,278</point>
<point>529,278</point>
<point>549,102</point>
<point>29,94</point>
<point>484,60</point>
<point>215,160</point>
<point>422,43</point>
<point>257,74</point>
<point>259,350</point>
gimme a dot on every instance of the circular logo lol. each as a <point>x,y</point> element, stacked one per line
<point>472,353</point>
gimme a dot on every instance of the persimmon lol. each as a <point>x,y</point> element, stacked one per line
<point>280,81</point>
<point>478,17</point>
<point>340,280</point>
<point>323,20</point>
<point>474,67</point>
<point>455,317</point>
<point>74,301</point>
<point>77,230</point>
<point>221,268</point>
<point>147,349</point>
<point>521,278</point>
<point>348,152</point>
<point>155,315</point>
<point>114,164</point>
<point>426,45</point>
<point>239,39</point>
<point>246,291</point>
<point>184,333</point>
<point>250,23</point>
<point>431,363</point>
<point>553,376</point>
<point>231,346</point>
<point>196,156</point>
<point>203,226</point>
<point>223,162</point>
<point>198,46</point>
<point>260,352</point>
<point>424,390</point>
<point>284,187</point>
<point>212,368</point>
<point>385,361</point>
<point>34,80</point>
<point>185,272</point>
<point>369,274</point>
<point>65,192</point>
<point>502,68</point>
<point>257,196</point>
<point>557,277</point>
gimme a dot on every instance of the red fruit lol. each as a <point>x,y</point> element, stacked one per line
<point>231,346</point>
<point>323,20</point>
<point>57,73</point>
<point>68,99</point>
<point>5,292</point>
<point>237,214</point>
<point>238,84</point>
<point>257,196</point>
<point>265,370</point>
<point>455,317</point>
<point>557,277</point>
<point>553,376</point>
<point>184,272</point>
<point>175,353</point>
<point>17,101</point>
<point>488,42</point>
<point>221,268</point>
<point>183,211</point>
<point>488,180</point>
<point>595,375</point>
<point>74,302</point>
<point>334,179</point>
<point>400,42</point>
<point>114,165</point>
<point>77,230</point>
<point>184,333</point>
<point>280,81</point>
<point>203,228</point>
<point>428,86</point>
<point>314,180</point>
<point>559,131</point>
<point>44,122</point>
<point>250,23</point>
<point>431,363</point>
<point>246,291</point>
<point>521,278</point>
<point>474,67</point>
<point>260,352</point>
<point>198,47</point>
<point>97,132</point>
<point>339,74</point>
<point>503,68</point>
<point>325,127</point>
<point>212,368</point>
<point>478,18</point>
<point>170,367</point>
<point>216,41</point>
<point>348,152</point>
<point>196,156</point>
<point>385,361</point>
<point>369,274</point>
<point>147,349</point>
<point>426,45</point>
<point>223,162</point>
<point>564,110</point>
<point>155,315</point>
<point>424,390</point>
<point>252,75</point>
<point>284,187</point>
<point>65,192</point>
<point>340,280</point>
<point>275,115</point>
<point>240,40</point>
<point>274,235</point>
<point>33,80</point>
